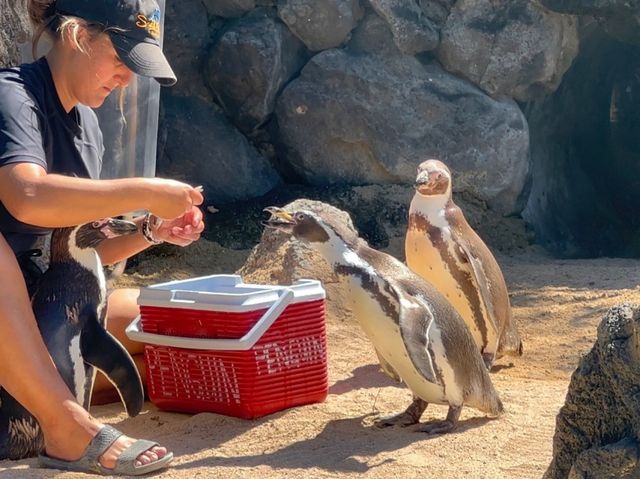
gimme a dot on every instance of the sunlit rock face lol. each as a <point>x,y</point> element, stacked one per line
<point>517,49</point>
<point>597,428</point>
<point>14,29</point>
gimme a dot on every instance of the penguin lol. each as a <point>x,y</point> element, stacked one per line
<point>418,336</point>
<point>69,304</point>
<point>441,247</point>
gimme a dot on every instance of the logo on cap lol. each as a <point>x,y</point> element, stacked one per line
<point>151,24</point>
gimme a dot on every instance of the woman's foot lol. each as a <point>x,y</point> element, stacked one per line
<point>68,439</point>
<point>108,459</point>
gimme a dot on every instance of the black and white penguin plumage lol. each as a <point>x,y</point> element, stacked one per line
<point>418,336</point>
<point>441,246</point>
<point>70,309</point>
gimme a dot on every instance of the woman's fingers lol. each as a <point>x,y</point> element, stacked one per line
<point>172,199</point>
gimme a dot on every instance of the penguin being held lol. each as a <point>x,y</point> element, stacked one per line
<point>441,247</point>
<point>418,336</point>
<point>69,304</point>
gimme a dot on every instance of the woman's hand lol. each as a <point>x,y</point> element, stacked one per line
<point>182,230</point>
<point>172,199</point>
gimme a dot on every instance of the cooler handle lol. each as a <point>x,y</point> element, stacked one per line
<point>244,343</point>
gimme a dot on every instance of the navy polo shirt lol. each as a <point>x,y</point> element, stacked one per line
<point>35,128</point>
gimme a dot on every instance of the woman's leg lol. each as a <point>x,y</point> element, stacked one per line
<point>122,308</point>
<point>66,426</point>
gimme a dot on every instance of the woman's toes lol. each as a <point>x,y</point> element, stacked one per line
<point>110,458</point>
<point>160,451</point>
<point>147,457</point>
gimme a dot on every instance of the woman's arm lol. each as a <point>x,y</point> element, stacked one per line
<point>35,197</point>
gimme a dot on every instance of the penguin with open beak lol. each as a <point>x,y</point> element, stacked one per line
<point>441,247</point>
<point>418,336</point>
<point>69,304</point>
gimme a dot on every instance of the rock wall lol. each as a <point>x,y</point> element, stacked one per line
<point>358,92</point>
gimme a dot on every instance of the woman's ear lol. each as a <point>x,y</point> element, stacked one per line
<point>83,39</point>
<point>78,38</point>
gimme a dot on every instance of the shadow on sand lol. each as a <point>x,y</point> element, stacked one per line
<point>337,448</point>
<point>363,377</point>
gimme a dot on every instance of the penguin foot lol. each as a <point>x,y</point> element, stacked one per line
<point>406,418</point>
<point>442,427</point>
<point>403,419</point>
<point>437,427</point>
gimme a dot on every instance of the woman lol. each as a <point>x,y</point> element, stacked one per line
<point>50,157</point>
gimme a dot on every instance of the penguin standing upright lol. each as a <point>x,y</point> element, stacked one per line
<point>417,334</point>
<point>441,247</point>
<point>70,309</point>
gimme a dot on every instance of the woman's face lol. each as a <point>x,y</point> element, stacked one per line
<point>98,71</point>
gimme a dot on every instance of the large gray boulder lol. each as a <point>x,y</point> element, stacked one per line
<point>365,119</point>
<point>250,63</point>
<point>413,32</point>
<point>516,49</point>
<point>222,160</point>
<point>320,24</point>
<point>620,18</point>
<point>597,429</point>
<point>291,259</point>
<point>15,28</point>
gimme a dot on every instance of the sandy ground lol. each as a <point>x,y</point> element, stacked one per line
<point>557,305</point>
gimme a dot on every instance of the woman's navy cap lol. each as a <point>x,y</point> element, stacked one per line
<point>134,28</point>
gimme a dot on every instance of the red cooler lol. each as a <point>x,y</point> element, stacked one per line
<point>216,344</point>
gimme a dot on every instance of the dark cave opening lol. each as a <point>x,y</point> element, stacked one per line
<point>585,155</point>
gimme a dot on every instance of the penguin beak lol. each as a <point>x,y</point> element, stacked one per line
<point>113,228</point>
<point>279,219</point>
<point>422,179</point>
<point>431,183</point>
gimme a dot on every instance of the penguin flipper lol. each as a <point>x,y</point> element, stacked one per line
<point>416,320</point>
<point>101,350</point>
<point>479,278</point>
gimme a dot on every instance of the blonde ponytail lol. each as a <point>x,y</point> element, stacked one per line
<point>41,11</point>
<point>45,19</point>
<point>43,16</point>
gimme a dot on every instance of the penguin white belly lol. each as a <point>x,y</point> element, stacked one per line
<point>79,375</point>
<point>426,261</point>
<point>387,339</point>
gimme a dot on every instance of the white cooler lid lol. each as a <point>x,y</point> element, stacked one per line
<point>225,292</point>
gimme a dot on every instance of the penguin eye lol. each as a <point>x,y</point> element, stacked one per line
<point>300,217</point>
<point>99,223</point>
